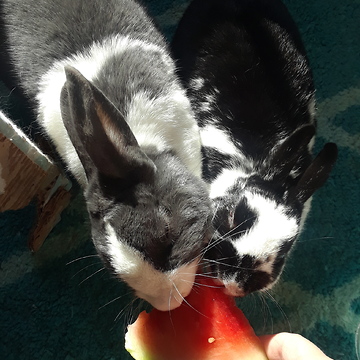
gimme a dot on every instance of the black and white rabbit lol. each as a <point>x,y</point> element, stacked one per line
<point>106,94</point>
<point>251,88</point>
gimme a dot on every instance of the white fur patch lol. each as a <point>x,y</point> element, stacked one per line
<point>211,99</point>
<point>89,63</point>
<point>228,177</point>
<point>163,290</point>
<point>231,286</point>
<point>272,228</point>
<point>311,144</point>
<point>204,107</point>
<point>167,122</point>
<point>305,212</point>
<point>312,108</point>
<point>267,265</point>
<point>197,83</point>
<point>213,137</point>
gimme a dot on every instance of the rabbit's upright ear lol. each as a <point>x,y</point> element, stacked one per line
<point>316,174</point>
<point>99,133</point>
<point>288,153</point>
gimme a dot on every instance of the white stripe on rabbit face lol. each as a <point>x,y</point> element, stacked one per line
<point>163,290</point>
<point>273,228</point>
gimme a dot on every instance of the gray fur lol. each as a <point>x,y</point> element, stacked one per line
<point>125,131</point>
<point>44,37</point>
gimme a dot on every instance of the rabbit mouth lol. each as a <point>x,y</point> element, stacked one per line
<point>242,274</point>
<point>247,278</point>
<point>258,281</point>
<point>164,291</point>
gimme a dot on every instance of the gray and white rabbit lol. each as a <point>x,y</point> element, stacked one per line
<point>252,91</point>
<point>105,90</point>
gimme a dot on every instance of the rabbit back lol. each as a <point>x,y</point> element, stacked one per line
<point>251,87</point>
<point>103,35</point>
<point>38,31</point>
<point>103,84</point>
<point>244,63</point>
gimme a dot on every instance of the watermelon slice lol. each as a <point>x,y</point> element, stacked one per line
<point>207,326</point>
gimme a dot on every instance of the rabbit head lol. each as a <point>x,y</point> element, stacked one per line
<point>150,217</point>
<point>259,217</point>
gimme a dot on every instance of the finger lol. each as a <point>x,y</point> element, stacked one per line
<point>285,346</point>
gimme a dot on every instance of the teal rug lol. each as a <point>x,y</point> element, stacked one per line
<point>58,304</point>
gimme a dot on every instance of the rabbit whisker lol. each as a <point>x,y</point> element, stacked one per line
<point>85,268</point>
<point>169,310</point>
<point>125,308</point>
<point>90,276</point>
<point>113,300</point>
<point>267,292</point>
<point>209,286</point>
<point>82,258</point>
<point>186,302</point>
<point>266,310</point>
<point>316,239</point>
<point>228,265</point>
<point>226,236</point>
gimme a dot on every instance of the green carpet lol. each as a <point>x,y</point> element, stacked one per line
<point>59,304</point>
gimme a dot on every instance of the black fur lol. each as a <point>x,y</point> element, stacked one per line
<point>248,76</point>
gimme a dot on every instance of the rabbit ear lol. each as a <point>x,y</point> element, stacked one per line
<point>99,133</point>
<point>289,152</point>
<point>316,174</point>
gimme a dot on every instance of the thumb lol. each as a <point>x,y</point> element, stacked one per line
<point>286,346</point>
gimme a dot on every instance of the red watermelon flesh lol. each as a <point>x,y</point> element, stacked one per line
<point>207,326</point>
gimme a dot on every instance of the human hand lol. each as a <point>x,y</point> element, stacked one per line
<point>285,346</point>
